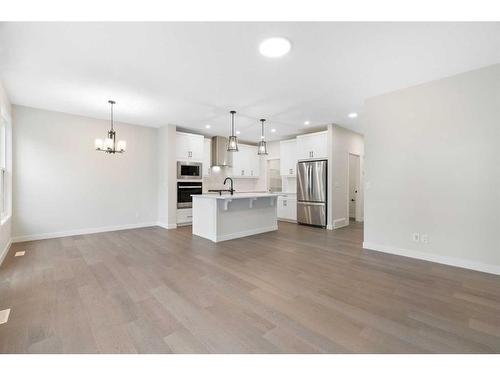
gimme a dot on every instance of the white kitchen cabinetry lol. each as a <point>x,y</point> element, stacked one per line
<point>189,146</point>
<point>207,156</point>
<point>246,162</point>
<point>287,208</point>
<point>184,216</point>
<point>312,146</point>
<point>288,157</point>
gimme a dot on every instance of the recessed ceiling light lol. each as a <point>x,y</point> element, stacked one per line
<point>307,122</point>
<point>207,126</point>
<point>275,47</point>
<point>238,132</point>
<point>273,130</point>
<point>352,115</point>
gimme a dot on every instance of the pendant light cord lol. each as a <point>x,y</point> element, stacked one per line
<point>262,130</point>
<point>232,122</point>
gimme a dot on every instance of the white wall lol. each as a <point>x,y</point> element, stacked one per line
<point>433,166</point>
<point>167,177</point>
<point>344,142</point>
<point>62,185</point>
<point>5,226</point>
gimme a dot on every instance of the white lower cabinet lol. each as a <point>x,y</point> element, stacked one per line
<point>184,216</point>
<point>287,208</point>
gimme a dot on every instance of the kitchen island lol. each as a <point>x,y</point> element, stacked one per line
<point>225,217</point>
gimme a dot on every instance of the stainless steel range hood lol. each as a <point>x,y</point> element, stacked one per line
<point>220,156</point>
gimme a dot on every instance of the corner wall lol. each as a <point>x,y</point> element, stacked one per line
<point>167,177</point>
<point>5,226</point>
<point>433,167</point>
<point>62,186</point>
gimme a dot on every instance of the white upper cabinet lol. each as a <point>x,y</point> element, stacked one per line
<point>207,156</point>
<point>189,146</point>
<point>246,162</point>
<point>288,158</point>
<point>312,146</point>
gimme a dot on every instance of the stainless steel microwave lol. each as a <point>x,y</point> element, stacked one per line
<point>187,170</point>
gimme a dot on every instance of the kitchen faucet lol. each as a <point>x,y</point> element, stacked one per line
<point>231,189</point>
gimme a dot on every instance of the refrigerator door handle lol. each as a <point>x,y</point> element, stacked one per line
<point>311,203</point>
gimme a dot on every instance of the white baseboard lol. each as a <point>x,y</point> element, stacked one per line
<point>340,223</point>
<point>450,261</point>
<point>76,232</point>
<point>166,225</point>
<point>329,227</point>
<point>287,220</point>
<point>5,251</point>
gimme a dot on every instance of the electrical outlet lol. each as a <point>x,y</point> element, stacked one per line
<point>424,238</point>
<point>416,237</point>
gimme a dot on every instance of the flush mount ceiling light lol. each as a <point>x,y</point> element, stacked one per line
<point>273,130</point>
<point>109,144</point>
<point>262,148</point>
<point>275,47</point>
<point>207,126</point>
<point>352,115</point>
<point>307,122</point>
<point>232,143</point>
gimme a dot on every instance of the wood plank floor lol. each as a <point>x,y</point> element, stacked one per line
<point>297,290</point>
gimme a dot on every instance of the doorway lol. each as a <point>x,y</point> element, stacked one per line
<point>355,198</point>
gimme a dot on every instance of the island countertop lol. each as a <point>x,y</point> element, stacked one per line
<point>236,195</point>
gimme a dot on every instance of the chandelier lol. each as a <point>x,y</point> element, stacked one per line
<point>109,144</point>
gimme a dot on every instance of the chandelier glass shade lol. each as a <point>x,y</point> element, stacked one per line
<point>262,147</point>
<point>232,142</point>
<point>109,144</point>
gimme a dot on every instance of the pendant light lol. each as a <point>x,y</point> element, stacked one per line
<point>262,149</point>
<point>232,143</point>
<point>109,144</point>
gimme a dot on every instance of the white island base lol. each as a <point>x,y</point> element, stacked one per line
<point>221,218</point>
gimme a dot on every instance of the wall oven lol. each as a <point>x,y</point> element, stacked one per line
<point>187,170</point>
<point>184,192</point>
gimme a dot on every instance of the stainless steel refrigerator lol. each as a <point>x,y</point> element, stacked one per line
<point>312,192</point>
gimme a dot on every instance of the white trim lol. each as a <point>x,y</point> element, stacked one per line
<point>450,261</point>
<point>287,220</point>
<point>5,251</point>
<point>342,220</point>
<point>76,232</point>
<point>166,225</point>
<point>329,227</point>
<point>244,233</point>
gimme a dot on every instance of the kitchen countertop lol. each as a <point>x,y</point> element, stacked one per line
<point>236,195</point>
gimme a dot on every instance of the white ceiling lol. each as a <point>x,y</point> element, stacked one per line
<point>192,74</point>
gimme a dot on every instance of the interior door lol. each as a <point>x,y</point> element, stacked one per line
<point>354,182</point>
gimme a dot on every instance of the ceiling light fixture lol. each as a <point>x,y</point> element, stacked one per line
<point>262,148</point>
<point>238,132</point>
<point>352,115</point>
<point>207,126</point>
<point>275,47</point>
<point>232,143</point>
<point>109,144</point>
<point>273,130</point>
<point>307,122</point>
